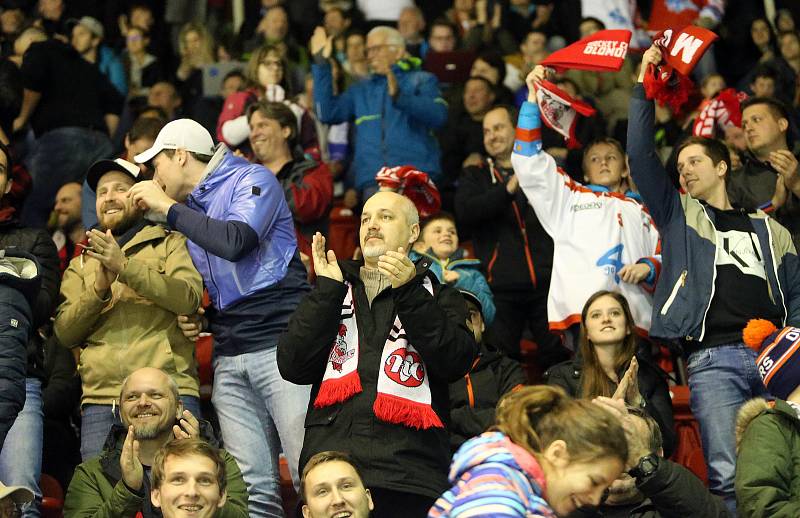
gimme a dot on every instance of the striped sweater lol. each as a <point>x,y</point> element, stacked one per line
<point>492,476</point>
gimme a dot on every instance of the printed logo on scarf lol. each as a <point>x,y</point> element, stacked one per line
<point>405,367</point>
<point>340,352</point>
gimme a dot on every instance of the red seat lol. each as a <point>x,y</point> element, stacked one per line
<point>689,452</point>
<point>53,497</point>
<point>205,371</point>
<point>288,494</point>
<point>342,235</point>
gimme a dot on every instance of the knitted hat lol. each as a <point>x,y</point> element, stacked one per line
<point>413,184</point>
<point>777,360</point>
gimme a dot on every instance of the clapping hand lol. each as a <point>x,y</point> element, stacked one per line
<point>628,388</point>
<point>325,264</point>
<point>129,463</point>
<point>397,267</point>
<point>188,426</point>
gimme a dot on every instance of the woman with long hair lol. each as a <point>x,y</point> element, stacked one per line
<point>607,363</point>
<point>547,455</point>
<point>196,48</point>
<point>267,78</point>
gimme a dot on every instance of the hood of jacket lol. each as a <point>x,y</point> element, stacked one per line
<point>496,447</point>
<point>754,408</point>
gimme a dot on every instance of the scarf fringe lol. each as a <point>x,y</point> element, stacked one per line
<point>333,391</point>
<point>393,409</point>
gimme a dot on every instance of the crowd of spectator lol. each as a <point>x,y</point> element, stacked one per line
<point>504,339</point>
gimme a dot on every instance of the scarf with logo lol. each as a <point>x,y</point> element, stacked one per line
<point>404,395</point>
<point>603,51</point>
<point>721,113</point>
<point>669,83</point>
<point>560,111</point>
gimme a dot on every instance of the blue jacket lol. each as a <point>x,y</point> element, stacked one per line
<point>236,190</point>
<point>470,278</point>
<point>388,132</point>
<point>688,238</point>
<point>111,66</point>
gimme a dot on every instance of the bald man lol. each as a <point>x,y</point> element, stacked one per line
<point>114,484</point>
<point>69,226</point>
<point>380,339</point>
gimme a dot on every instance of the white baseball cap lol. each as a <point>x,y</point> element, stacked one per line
<point>19,494</point>
<point>179,134</point>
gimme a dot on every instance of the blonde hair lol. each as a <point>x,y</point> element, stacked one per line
<point>208,41</point>
<point>535,416</point>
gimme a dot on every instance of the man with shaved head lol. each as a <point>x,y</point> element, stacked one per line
<point>118,482</point>
<point>380,339</point>
<point>69,226</point>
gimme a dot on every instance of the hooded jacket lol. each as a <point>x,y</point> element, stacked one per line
<point>491,476</point>
<point>392,456</point>
<point>768,463</point>
<point>98,491</point>
<point>388,131</point>
<point>689,245</point>
<point>474,397</point>
<point>470,277</point>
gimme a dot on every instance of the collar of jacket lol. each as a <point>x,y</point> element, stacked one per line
<point>297,166</point>
<point>408,64</point>
<point>602,188</point>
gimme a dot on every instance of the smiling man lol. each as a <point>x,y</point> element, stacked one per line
<point>380,340</point>
<point>307,184</point>
<point>332,487</point>
<point>120,300</point>
<point>143,448</point>
<point>722,266</point>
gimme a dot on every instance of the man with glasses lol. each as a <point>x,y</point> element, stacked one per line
<point>395,108</point>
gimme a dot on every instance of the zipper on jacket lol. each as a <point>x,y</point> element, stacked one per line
<point>521,224</point>
<point>470,393</point>
<point>681,282</point>
<point>491,264</point>
<point>713,277</point>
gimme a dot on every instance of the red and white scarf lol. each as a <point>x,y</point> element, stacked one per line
<point>404,395</point>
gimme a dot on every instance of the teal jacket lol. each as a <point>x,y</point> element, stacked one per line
<point>470,278</point>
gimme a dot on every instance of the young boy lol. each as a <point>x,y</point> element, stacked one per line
<point>439,241</point>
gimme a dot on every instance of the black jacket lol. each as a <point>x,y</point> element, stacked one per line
<point>500,224</point>
<point>37,242</point>
<point>393,457</point>
<point>753,185</point>
<point>474,397</point>
<point>671,492</point>
<point>652,386</point>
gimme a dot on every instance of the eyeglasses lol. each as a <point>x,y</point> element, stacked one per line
<point>377,48</point>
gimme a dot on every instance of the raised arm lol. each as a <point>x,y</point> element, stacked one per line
<point>660,197</point>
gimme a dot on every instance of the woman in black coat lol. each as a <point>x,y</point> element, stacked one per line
<point>607,364</point>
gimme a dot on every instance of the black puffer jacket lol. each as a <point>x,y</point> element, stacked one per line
<point>652,386</point>
<point>474,397</point>
<point>19,282</point>
<point>393,456</point>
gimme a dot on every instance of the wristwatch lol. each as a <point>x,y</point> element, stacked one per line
<point>647,466</point>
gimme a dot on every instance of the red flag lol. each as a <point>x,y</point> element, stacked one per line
<point>683,49</point>
<point>603,51</point>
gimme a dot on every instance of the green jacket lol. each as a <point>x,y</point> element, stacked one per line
<point>768,463</point>
<point>137,325</point>
<point>97,489</point>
